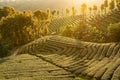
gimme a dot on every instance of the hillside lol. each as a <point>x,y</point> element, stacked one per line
<point>37,43</point>
<point>27,67</point>
<point>99,21</point>
<point>72,58</point>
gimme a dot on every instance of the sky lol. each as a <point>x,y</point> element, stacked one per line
<point>74,1</point>
<point>59,4</point>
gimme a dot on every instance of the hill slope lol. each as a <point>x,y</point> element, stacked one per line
<point>27,67</point>
<point>74,58</point>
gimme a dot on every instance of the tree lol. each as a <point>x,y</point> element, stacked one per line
<point>83,10</point>
<point>102,7</point>
<point>113,31</point>
<point>48,12</point>
<point>95,9</point>
<point>22,27</point>
<point>118,4</point>
<point>112,5</point>
<point>58,12</point>
<point>5,11</point>
<point>67,31</point>
<point>90,10</point>
<point>105,5</point>
<point>53,13</point>
<point>73,11</point>
<point>42,22</point>
<point>41,15</point>
<point>67,11</point>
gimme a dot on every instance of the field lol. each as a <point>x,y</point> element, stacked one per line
<point>43,45</point>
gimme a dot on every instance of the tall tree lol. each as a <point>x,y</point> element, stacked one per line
<point>73,11</point>
<point>53,13</point>
<point>43,20</point>
<point>22,27</point>
<point>118,4</point>
<point>83,10</point>
<point>102,8</point>
<point>95,9</point>
<point>58,12</point>
<point>112,5</point>
<point>90,10</point>
<point>48,12</point>
<point>106,5</point>
<point>67,11</point>
<point>5,11</point>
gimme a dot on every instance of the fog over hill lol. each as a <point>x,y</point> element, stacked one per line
<point>43,4</point>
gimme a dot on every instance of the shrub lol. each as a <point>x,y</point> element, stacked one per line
<point>67,31</point>
<point>83,32</point>
<point>23,27</point>
<point>113,32</point>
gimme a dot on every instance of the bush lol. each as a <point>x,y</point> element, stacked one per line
<point>113,32</point>
<point>67,31</point>
<point>83,32</point>
<point>23,27</point>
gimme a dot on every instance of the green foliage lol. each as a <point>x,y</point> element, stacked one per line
<point>83,8</point>
<point>23,27</point>
<point>83,32</point>
<point>5,11</point>
<point>41,15</point>
<point>106,3</point>
<point>118,4</point>
<point>112,5</point>
<point>53,13</point>
<point>67,11</point>
<point>14,28</point>
<point>114,31</point>
<point>88,33</point>
<point>80,30</point>
<point>102,7</point>
<point>73,11</point>
<point>95,8</point>
<point>48,12</point>
<point>67,31</point>
<point>58,12</point>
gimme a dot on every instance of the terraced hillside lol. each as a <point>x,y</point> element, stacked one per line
<point>102,21</point>
<point>91,60</point>
<point>60,22</point>
<point>27,67</point>
<point>99,21</point>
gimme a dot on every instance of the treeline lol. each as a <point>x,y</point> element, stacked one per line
<point>90,33</point>
<point>86,32</point>
<point>20,27</point>
<point>85,10</point>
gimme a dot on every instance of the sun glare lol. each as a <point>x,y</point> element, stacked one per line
<point>89,2</point>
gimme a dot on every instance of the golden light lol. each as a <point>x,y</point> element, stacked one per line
<point>88,2</point>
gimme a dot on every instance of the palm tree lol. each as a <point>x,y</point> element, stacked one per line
<point>112,5</point>
<point>83,10</point>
